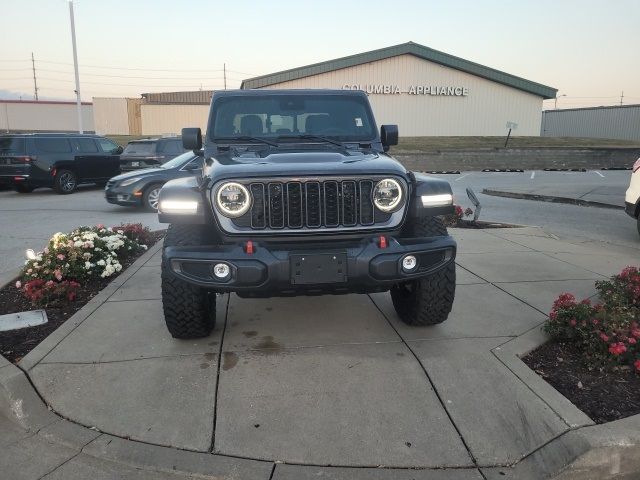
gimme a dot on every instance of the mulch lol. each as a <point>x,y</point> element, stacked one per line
<point>604,394</point>
<point>15,344</point>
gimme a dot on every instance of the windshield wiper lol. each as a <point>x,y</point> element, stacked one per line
<point>247,138</point>
<point>313,137</point>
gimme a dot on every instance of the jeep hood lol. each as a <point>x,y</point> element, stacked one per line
<point>300,163</point>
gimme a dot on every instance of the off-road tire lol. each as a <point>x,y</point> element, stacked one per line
<point>65,182</point>
<point>23,189</point>
<point>428,300</point>
<point>189,310</point>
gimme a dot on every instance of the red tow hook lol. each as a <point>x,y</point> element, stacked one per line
<point>248,248</point>
<point>382,241</point>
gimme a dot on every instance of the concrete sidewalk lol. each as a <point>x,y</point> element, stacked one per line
<point>301,388</point>
<point>587,194</point>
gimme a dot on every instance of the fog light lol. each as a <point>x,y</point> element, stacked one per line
<point>221,270</point>
<point>409,263</point>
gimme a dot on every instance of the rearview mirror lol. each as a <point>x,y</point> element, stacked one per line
<point>191,138</point>
<point>389,135</point>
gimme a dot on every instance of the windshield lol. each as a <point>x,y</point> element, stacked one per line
<point>340,117</point>
<point>178,161</point>
<point>140,148</point>
<point>11,145</point>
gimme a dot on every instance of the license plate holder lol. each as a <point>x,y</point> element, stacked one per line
<point>318,268</point>
<point>135,164</point>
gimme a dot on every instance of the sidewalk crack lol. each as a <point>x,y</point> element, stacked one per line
<point>212,448</point>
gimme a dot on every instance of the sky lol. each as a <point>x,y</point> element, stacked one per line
<point>589,49</point>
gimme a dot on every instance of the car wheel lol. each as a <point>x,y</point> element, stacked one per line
<point>65,182</point>
<point>189,310</point>
<point>427,300</point>
<point>151,197</point>
<point>23,189</point>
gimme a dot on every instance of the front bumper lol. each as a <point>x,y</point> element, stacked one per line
<point>268,270</point>
<point>122,196</point>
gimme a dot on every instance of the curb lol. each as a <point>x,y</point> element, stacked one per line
<point>549,198</point>
<point>584,451</point>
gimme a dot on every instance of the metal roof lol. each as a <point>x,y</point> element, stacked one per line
<point>409,48</point>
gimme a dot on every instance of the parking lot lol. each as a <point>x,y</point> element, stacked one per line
<point>28,220</point>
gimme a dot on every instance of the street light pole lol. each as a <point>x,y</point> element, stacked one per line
<point>75,65</point>
<point>555,103</point>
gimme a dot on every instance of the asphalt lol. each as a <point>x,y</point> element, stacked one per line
<point>329,387</point>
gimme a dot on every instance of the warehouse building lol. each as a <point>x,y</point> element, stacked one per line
<point>44,116</point>
<point>426,92</point>
<point>621,122</point>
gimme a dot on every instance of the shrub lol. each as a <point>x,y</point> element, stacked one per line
<point>135,232</point>
<point>84,253</point>
<point>455,218</point>
<point>605,332</point>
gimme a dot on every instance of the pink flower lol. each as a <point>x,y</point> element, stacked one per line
<point>58,274</point>
<point>46,250</point>
<point>573,322</point>
<point>632,341</point>
<point>604,337</point>
<point>617,348</point>
<point>100,226</point>
<point>637,364</point>
<point>635,332</point>
<point>18,284</point>
<point>595,321</point>
<point>60,256</point>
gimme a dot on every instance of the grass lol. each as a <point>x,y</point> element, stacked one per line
<point>426,144</point>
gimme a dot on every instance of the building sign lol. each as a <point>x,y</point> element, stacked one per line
<point>438,90</point>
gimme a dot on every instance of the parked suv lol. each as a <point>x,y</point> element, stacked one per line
<point>57,160</point>
<point>632,196</point>
<point>151,152</point>
<point>298,197</point>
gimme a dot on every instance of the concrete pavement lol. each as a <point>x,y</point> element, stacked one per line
<point>285,388</point>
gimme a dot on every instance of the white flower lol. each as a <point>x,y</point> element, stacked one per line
<point>100,262</point>
<point>18,284</point>
<point>144,247</point>
<point>121,232</point>
<point>88,265</point>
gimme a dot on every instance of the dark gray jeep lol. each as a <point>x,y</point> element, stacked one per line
<point>299,197</point>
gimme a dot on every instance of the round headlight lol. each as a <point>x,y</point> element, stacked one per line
<point>387,195</point>
<point>233,199</point>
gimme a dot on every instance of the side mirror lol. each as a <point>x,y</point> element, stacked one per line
<point>191,138</point>
<point>389,135</point>
<point>119,150</point>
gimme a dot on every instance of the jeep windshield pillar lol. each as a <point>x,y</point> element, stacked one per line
<point>298,197</point>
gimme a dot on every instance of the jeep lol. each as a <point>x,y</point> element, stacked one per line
<point>298,196</point>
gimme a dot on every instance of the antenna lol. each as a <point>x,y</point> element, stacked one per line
<point>621,97</point>
<point>35,83</point>
<point>224,68</point>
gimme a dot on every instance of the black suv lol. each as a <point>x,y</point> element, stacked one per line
<point>298,197</point>
<point>57,160</point>
<point>150,152</point>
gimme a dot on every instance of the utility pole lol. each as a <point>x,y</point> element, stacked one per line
<point>621,97</point>
<point>35,83</point>
<point>224,69</point>
<point>75,65</point>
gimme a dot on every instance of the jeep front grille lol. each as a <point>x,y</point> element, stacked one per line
<point>320,204</point>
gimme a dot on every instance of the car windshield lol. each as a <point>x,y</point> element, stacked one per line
<point>11,145</point>
<point>288,117</point>
<point>140,148</point>
<point>178,161</point>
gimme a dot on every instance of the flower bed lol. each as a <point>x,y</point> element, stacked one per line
<point>594,354</point>
<point>65,275</point>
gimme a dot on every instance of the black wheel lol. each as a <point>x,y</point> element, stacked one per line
<point>428,300</point>
<point>23,189</point>
<point>65,182</point>
<point>151,197</point>
<point>189,311</point>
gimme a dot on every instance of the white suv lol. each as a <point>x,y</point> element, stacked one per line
<point>632,197</point>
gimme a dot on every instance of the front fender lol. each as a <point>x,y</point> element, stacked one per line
<point>426,185</point>
<point>182,192</point>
